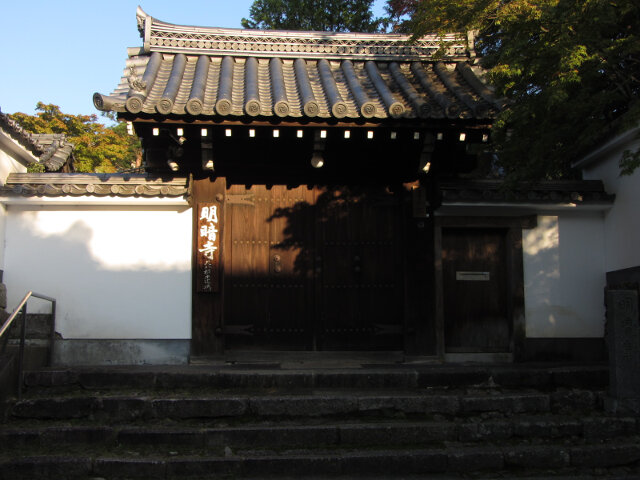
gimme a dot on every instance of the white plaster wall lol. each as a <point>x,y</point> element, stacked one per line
<point>8,165</point>
<point>564,276</point>
<point>117,272</point>
<point>622,222</point>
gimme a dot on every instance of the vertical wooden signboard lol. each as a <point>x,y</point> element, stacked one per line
<point>208,248</point>
<point>208,266</point>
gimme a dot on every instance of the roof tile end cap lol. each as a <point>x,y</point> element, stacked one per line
<point>106,103</point>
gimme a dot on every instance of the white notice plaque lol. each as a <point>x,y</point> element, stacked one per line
<point>473,276</point>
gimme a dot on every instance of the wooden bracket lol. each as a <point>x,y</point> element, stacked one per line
<point>206,149</point>
<point>428,146</point>
<point>317,158</point>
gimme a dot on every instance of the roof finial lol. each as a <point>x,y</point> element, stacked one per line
<point>141,16</point>
<point>144,27</point>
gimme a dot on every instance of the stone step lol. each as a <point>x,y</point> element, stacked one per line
<point>371,433</point>
<point>391,376</point>
<point>479,421</point>
<point>319,404</point>
<point>546,461</point>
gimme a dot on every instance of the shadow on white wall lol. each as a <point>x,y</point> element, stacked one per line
<point>116,274</point>
<point>564,277</point>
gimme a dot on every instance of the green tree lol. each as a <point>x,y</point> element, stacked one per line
<point>97,148</point>
<point>319,15</point>
<point>569,69</point>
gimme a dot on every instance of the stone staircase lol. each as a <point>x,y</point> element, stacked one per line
<point>402,422</point>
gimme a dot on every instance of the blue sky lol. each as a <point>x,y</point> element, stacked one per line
<point>61,52</point>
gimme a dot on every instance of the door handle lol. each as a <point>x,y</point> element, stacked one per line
<point>277,265</point>
<point>357,264</point>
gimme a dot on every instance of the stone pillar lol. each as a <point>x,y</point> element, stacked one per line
<point>623,342</point>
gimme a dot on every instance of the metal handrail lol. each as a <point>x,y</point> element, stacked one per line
<point>22,307</point>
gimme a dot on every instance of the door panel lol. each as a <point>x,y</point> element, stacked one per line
<point>360,280</point>
<point>267,304</point>
<point>315,269</point>
<point>475,290</point>
<point>290,304</point>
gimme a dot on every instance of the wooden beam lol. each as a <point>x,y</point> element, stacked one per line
<point>248,121</point>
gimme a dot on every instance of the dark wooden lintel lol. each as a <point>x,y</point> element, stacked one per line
<point>409,124</point>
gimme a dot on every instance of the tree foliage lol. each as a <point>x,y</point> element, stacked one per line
<point>570,70</point>
<point>319,15</point>
<point>97,148</point>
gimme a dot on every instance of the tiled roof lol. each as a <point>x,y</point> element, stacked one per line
<point>93,184</point>
<point>214,72</point>
<point>19,134</point>
<point>454,192</point>
<point>578,192</point>
<point>55,149</point>
<point>51,149</point>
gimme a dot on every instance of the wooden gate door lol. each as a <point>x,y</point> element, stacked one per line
<point>474,268</point>
<point>268,290</point>
<point>359,269</point>
<point>312,269</point>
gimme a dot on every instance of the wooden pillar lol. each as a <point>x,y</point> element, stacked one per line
<point>420,312</point>
<point>207,266</point>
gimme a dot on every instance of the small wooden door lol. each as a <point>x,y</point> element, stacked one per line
<point>474,269</point>
<point>312,269</point>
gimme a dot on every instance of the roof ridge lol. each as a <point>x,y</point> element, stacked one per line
<point>171,38</point>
